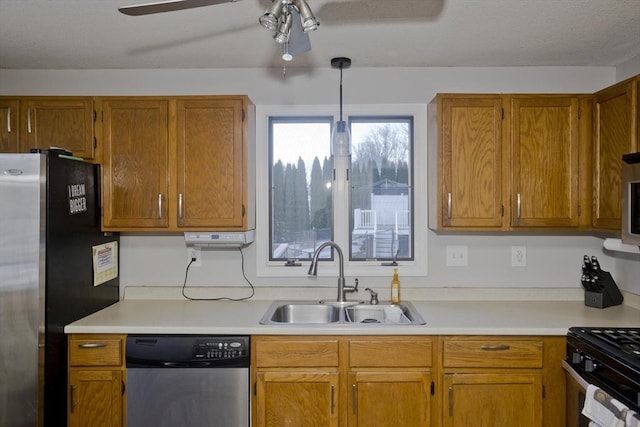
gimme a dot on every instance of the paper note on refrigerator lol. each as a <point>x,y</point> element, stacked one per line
<point>105,262</point>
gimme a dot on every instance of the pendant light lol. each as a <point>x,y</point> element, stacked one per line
<point>340,135</point>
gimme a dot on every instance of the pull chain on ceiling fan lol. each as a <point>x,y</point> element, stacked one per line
<point>290,20</point>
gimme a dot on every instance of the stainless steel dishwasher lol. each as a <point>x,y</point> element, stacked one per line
<point>187,380</point>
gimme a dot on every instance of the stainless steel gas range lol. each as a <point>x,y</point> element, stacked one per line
<point>608,358</point>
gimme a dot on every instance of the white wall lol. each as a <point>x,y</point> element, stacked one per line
<point>552,261</point>
<point>628,68</point>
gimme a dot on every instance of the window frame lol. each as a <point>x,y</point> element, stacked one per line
<point>341,207</point>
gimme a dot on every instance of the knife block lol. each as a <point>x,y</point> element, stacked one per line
<point>608,294</point>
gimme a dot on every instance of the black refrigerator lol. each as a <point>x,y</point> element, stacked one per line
<point>56,266</point>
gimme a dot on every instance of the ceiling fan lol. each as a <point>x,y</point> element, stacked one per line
<point>289,20</point>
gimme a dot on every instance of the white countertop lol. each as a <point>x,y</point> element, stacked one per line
<point>504,317</point>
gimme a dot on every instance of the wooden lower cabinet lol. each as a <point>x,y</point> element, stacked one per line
<point>342,381</point>
<point>95,398</point>
<point>96,381</point>
<point>496,399</point>
<point>299,398</point>
<point>502,381</point>
<point>389,398</point>
<point>389,381</point>
<point>418,381</point>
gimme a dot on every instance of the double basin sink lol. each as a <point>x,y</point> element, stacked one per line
<point>335,313</point>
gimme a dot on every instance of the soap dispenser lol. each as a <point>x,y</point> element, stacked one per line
<point>395,288</point>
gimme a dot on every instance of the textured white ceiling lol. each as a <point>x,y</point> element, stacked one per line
<point>92,34</point>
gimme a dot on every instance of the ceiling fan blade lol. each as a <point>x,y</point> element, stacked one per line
<point>299,42</point>
<point>168,6</point>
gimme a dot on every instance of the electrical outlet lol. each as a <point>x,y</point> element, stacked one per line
<point>457,256</point>
<point>518,256</point>
<point>194,253</point>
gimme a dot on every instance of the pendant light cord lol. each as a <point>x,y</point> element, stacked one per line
<point>340,92</point>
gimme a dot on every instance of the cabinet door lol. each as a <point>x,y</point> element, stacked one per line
<point>389,399</point>
<point>472,171</point>
<point>489,400</point>
<point>65,122</point>
<point>294,398</point>
<point>210,163</point>
<point>95,398</point>
<point>8,126</point>
<point>135,175</point>
<point>612,137</point>
<point>545,146</point>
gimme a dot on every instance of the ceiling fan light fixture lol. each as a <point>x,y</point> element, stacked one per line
<point>269,20</point>
<point>284,30</point>
<point>340,135</point>
<point>309,21</point>
<point>286,56</point>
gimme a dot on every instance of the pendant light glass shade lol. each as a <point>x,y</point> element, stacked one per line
<point>340,139</point>
<point>340,135</point>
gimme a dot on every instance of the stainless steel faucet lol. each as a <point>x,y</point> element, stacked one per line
<point>313,270</point>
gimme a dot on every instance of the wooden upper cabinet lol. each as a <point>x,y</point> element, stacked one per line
<point>8,125</point>
<point>613,136</point>
<point>545,169</point>
<point>65,122</point>
<point>469,189</point>
<point>210,162</point>
<point>177,164</point>
<point>135,175</point>
<point>507,162</point>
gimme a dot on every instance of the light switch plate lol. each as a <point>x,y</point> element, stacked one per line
<point>457,256</point>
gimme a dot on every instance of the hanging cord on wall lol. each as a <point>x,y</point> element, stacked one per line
<point>186,274</point>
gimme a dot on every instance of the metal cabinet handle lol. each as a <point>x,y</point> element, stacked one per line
<point>451,401</point>
<point>28,120</point>
<point>72,398</point>
<point>9,120</point>
<point>333,402</point>
<point>92,345</point>
<point>160,206</point>
<point>518,206</point>
<point>494,347</point>
<point>180,205</point>
<point>354,398</point>
<point>449,205</point>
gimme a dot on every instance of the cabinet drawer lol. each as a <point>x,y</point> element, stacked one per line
<point>295,353</point>
<point>95,350</point>
<point>390,352</point>
<point>492,353</point>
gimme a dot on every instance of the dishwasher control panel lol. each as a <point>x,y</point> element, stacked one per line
<point>187,351</point>
<point>212,348</point>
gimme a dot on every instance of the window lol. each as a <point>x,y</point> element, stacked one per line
<point>366,205</point>
<point>300,180</point>
<point>381,188</point>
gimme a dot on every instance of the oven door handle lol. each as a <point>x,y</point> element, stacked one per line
<point>575,375</point>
